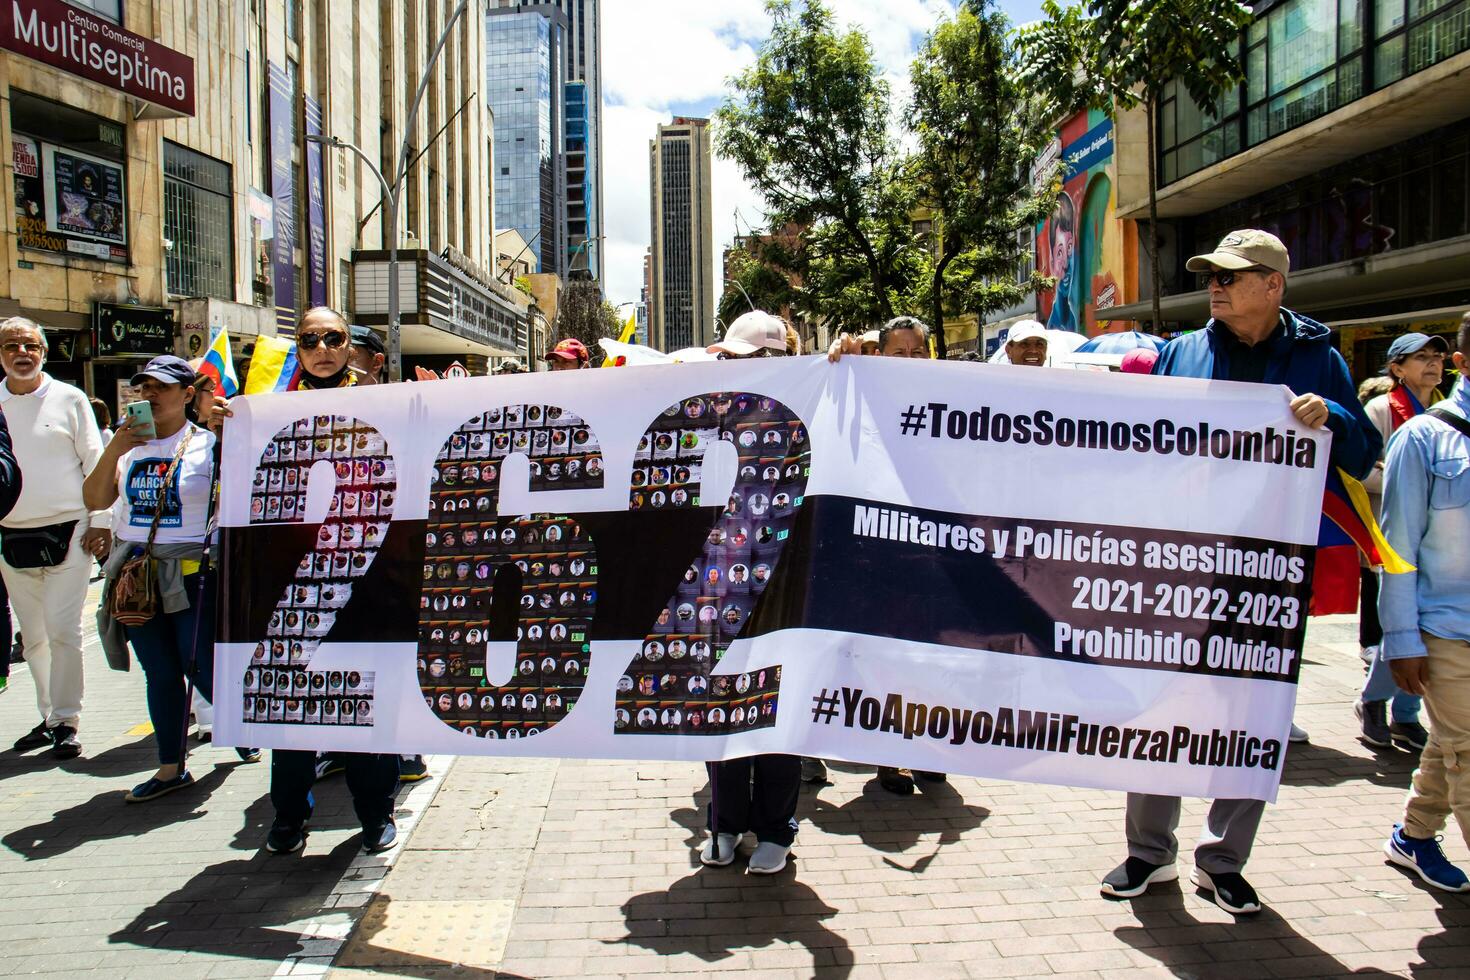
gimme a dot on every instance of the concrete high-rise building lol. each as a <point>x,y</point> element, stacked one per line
<point>579,106</point>
<point>525,71</point>
<point>682,270</point>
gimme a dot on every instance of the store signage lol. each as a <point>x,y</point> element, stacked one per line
<point>72,40</point>
<point>130,331</point>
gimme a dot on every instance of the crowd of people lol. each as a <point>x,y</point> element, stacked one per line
<point>138,499</point>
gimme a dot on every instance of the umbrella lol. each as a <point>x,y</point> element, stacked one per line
<point>1121,343</point>
<point>1061,342</point>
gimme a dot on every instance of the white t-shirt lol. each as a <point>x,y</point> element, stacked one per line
<point>140,474</point>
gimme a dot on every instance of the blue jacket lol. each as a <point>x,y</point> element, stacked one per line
<point>1304,360</point>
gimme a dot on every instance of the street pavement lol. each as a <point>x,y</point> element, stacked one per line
<point>546,868</point>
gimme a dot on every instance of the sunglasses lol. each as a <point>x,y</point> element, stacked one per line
<point>759,352</point>
<point>333,339</point>
<point>22,348</point>
<point>1227,277</point>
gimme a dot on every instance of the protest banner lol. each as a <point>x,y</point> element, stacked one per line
<point>1066,577</point>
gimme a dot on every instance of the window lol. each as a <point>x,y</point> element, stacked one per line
<point>108,9</point>
<point>197,221</point>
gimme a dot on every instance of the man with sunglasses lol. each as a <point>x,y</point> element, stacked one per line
<point>1250,337</point>
<point>323,347</point>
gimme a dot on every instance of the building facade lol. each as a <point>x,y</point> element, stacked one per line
<point>1349,139</point>
<point>682,293</point>
<point>525,64</point>
<point>142,217</point>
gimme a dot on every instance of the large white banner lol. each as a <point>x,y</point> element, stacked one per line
<point>1066,577</point>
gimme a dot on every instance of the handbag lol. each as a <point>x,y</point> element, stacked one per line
<point>133,600</point>
<point>36,547</point>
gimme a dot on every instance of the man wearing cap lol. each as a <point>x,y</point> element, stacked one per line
<point>569,355</point>
<point>1026,344</point>
<point>1250,337</point>
<point>1426,620</point>
<point>48,540</point>
<point>366,356</point>
<point>1416,367</point>
<point>753,334</point>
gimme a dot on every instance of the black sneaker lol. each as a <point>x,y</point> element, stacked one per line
<point>64,743</point>
<point>375,840</point>
<point>33,739</point>
<point>1230,891</point>
<point>154,787</point>
<point>285,838</point>
<point>1134,876</point>
<point>1409,735</point>
<point>931,777</point>
<point>248,755</point>
<point>330,765</point>
<point>1373,716</point>
<point>899,781</point>
<point>412,768</point>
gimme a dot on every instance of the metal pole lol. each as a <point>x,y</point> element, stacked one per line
<point>732,282</point>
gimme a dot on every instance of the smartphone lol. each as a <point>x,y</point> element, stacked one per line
<point>140,414</point>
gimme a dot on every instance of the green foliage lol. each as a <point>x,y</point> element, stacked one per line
<point>583,314</point>
<point>763,271</point>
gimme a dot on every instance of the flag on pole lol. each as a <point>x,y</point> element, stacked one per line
<point>273,366</point>
<point>219,365</point>
<point>1348,528</point>
<point>630,330</point>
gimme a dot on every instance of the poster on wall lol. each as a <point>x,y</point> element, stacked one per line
<point>68,201</point>
<point>316,217</point>
<point>283,194</point>
<point>1083,245</point>
<point>721,560</point>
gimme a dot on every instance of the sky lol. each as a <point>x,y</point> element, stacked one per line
<point>666,58</point>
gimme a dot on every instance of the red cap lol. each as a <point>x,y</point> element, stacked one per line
<point>570,350</point>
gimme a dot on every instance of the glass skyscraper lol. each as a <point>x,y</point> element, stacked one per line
<point>525,56</point>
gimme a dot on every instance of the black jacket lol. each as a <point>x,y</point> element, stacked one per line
<point>9,470</point>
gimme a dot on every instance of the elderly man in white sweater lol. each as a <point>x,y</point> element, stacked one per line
<point>48,541</point>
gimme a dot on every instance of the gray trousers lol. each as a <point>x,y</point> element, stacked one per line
<point>1224,843</point>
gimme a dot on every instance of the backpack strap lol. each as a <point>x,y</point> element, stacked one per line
<point>1452,420</point>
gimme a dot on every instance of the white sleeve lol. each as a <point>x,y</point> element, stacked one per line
<point>88,442</point>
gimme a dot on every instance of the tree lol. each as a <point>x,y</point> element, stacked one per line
<point>808,126</point>
<point>583,315</point>
<point>1118,54</point>
<point>759,270</point>
<point>978,128</point>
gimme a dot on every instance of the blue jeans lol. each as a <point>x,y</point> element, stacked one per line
<point>165,646</point>
<point>1380,687</point>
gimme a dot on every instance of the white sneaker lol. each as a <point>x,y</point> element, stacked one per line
<point>1298,734</point>
<point>768,858</point>
<point>1368,654</point>
<point>719,850</point>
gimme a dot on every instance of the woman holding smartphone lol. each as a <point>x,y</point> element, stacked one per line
<point>159,485</point>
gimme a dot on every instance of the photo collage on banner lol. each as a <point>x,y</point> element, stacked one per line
<point>669,688</point>
<point>466,543</point>
<point>279,685</point>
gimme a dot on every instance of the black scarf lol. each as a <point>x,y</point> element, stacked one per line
<point>311,381</point>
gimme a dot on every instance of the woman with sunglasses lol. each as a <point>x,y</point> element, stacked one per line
<point>323,346</point>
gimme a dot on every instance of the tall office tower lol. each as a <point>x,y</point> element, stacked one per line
<point>682,271</point>
<point>525,65</point>
<point>582,128</point>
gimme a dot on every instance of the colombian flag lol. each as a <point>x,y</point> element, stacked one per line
<point>273,366</point>
<point>1348,527</point>
<point>630,330</point>
<point>218,364</point>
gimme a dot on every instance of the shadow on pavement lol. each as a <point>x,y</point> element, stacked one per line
<point>1318,765</point>
<point>717,912</point>
<point>1250,946</point>
<point>895,824</point>
<point>120,760</point>
<point>107,817</point>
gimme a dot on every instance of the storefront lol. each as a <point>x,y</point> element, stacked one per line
<point>124,338</point>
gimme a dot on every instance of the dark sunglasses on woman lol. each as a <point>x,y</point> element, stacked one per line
<point>333,339</point>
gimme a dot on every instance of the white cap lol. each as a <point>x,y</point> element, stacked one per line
<point>1025,330</point>
<point>750,332</point>
<point>871,337</point>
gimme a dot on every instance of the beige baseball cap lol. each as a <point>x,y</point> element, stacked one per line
<point>1243,249</point>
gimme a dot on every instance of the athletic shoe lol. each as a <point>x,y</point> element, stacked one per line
<point>1373,716</point>
<point>1229,890</point>
<point>64,743</point>
<point>248,755</point>
<point>412,768</point>
<point>285,838</point>
<point>1425,858</point>
<point>1298,735</point>
<point>719,850</point>
<point>329,765</point>
<point>931,777</point>
<point>813,771</point>
<point>1368,654</point>
<point>155,787</point>
<point>376,840</point>
<point>4,684</point>
<point>899,781</point>
<point>1134,876</point>
<point>1409,735</point>
<point>34,739</point>
<point>768,858</point>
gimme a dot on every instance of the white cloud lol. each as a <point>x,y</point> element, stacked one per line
<point>667,57</point>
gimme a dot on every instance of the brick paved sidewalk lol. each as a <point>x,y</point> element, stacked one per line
<point>548,869</point>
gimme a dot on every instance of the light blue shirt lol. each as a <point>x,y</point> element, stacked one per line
<point>1426,518</point>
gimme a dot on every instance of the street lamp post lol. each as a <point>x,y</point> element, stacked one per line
<point>394,191</point>
<point>732,282</point>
